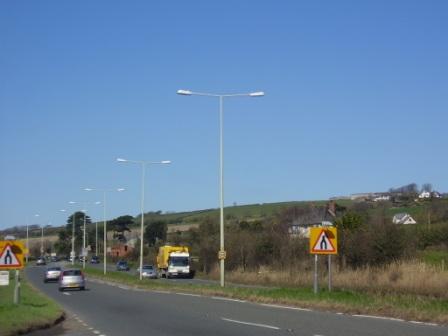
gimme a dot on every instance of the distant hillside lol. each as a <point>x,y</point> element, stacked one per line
<point>183,220</point>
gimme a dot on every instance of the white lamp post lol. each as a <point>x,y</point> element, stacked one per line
<point>143,164</point>
<point>27,238</point>
<point>104,191</point>
<point>84,230</point>
<point>221,163</point>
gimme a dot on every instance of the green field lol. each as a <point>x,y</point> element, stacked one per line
<point>34,311</point>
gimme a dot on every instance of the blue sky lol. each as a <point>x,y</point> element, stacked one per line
<point>356,101</point>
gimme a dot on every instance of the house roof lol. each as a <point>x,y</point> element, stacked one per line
<point>400,216</point>
<point>314,216</point>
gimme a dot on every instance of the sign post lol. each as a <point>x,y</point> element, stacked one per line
<point>11,258</point>
<point>323,240</point>
<point>17,288</point>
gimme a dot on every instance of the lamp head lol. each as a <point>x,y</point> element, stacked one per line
<point>257,94</point>
<point>184,92</point>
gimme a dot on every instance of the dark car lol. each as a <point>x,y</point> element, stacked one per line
<point>41,261</point>
<point>95,260</point>
<point>122,265</point>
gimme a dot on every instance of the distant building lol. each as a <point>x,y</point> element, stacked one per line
<point>403,218</point>
<point>300,226</point>
<point>121,250</point>
<point>372,196</point>
<point>436,194</point>
<point>424,194</point>
<point>382,198</point>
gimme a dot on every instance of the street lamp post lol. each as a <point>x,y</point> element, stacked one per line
<point>84,230</point>
<point>143,164</point>
<point>42,242</point>
<point>221,161</point>
<point>27,239</point>
<point>72,253</point>
<point>104,191</point>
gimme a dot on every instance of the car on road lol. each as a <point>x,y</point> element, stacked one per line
<point>72,278</point>
<point>95,260</point>
<point>41,261</point>
<point>148,272</point>
<point>52,274</point>
<point>54,259</point>
<point>122,265</point>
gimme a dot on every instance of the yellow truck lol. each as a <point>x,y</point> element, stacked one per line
<point>174,261</point>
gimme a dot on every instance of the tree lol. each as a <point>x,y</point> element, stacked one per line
<point>120,225</point>
<point>64,243</point>
<point>347,225</point>
<point>156,230</point>
<point>427,187</point>
<point>409,189</point>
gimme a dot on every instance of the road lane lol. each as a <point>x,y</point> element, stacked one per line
<point>122,311</point>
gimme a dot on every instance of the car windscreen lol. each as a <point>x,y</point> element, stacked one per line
<point>54,269</point>
<point>179,261</point>
<point>72,273</point>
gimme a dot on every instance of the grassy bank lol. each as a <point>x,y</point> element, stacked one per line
<point>34,311</point>
<point>406,277</point>
<point>405,306</point>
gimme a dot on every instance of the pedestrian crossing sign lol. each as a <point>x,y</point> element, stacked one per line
<point>323,240</point>
<point>11,255</point>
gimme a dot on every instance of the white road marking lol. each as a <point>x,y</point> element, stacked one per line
<point>284,307</point>
<point>65,293</point>
<point>380,317</point>
<point>96,332</point>
<point>188,294</point>
<point>251,324</point>
<point>161,292</point>
<point>226,299</point>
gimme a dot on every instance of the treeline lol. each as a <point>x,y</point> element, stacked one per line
<point>366,236</point>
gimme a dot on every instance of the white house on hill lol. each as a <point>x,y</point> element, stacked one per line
<point>403,218</point>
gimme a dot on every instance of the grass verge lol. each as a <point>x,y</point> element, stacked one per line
<point>35,310</point>
<point>408,307</point>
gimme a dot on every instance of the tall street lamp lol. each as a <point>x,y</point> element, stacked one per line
<point>143,164</point>
<point>72,253</point>
<point>27,238</point>
<point>221,163</point>
<point>84,230</point>
<point>104,191</point>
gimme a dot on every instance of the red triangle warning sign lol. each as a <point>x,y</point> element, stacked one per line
<point>8,258</point>
<point>323,243</point>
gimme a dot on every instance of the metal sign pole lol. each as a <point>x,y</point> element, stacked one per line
<point>329,272</point>
<point>17,289</point>
<point>316,289</point>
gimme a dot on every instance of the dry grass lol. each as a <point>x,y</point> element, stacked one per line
<point>412,277</point>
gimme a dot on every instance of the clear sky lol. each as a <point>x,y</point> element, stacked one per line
<point>356,101</point>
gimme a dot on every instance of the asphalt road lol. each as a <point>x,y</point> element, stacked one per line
<point>118,310</point>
